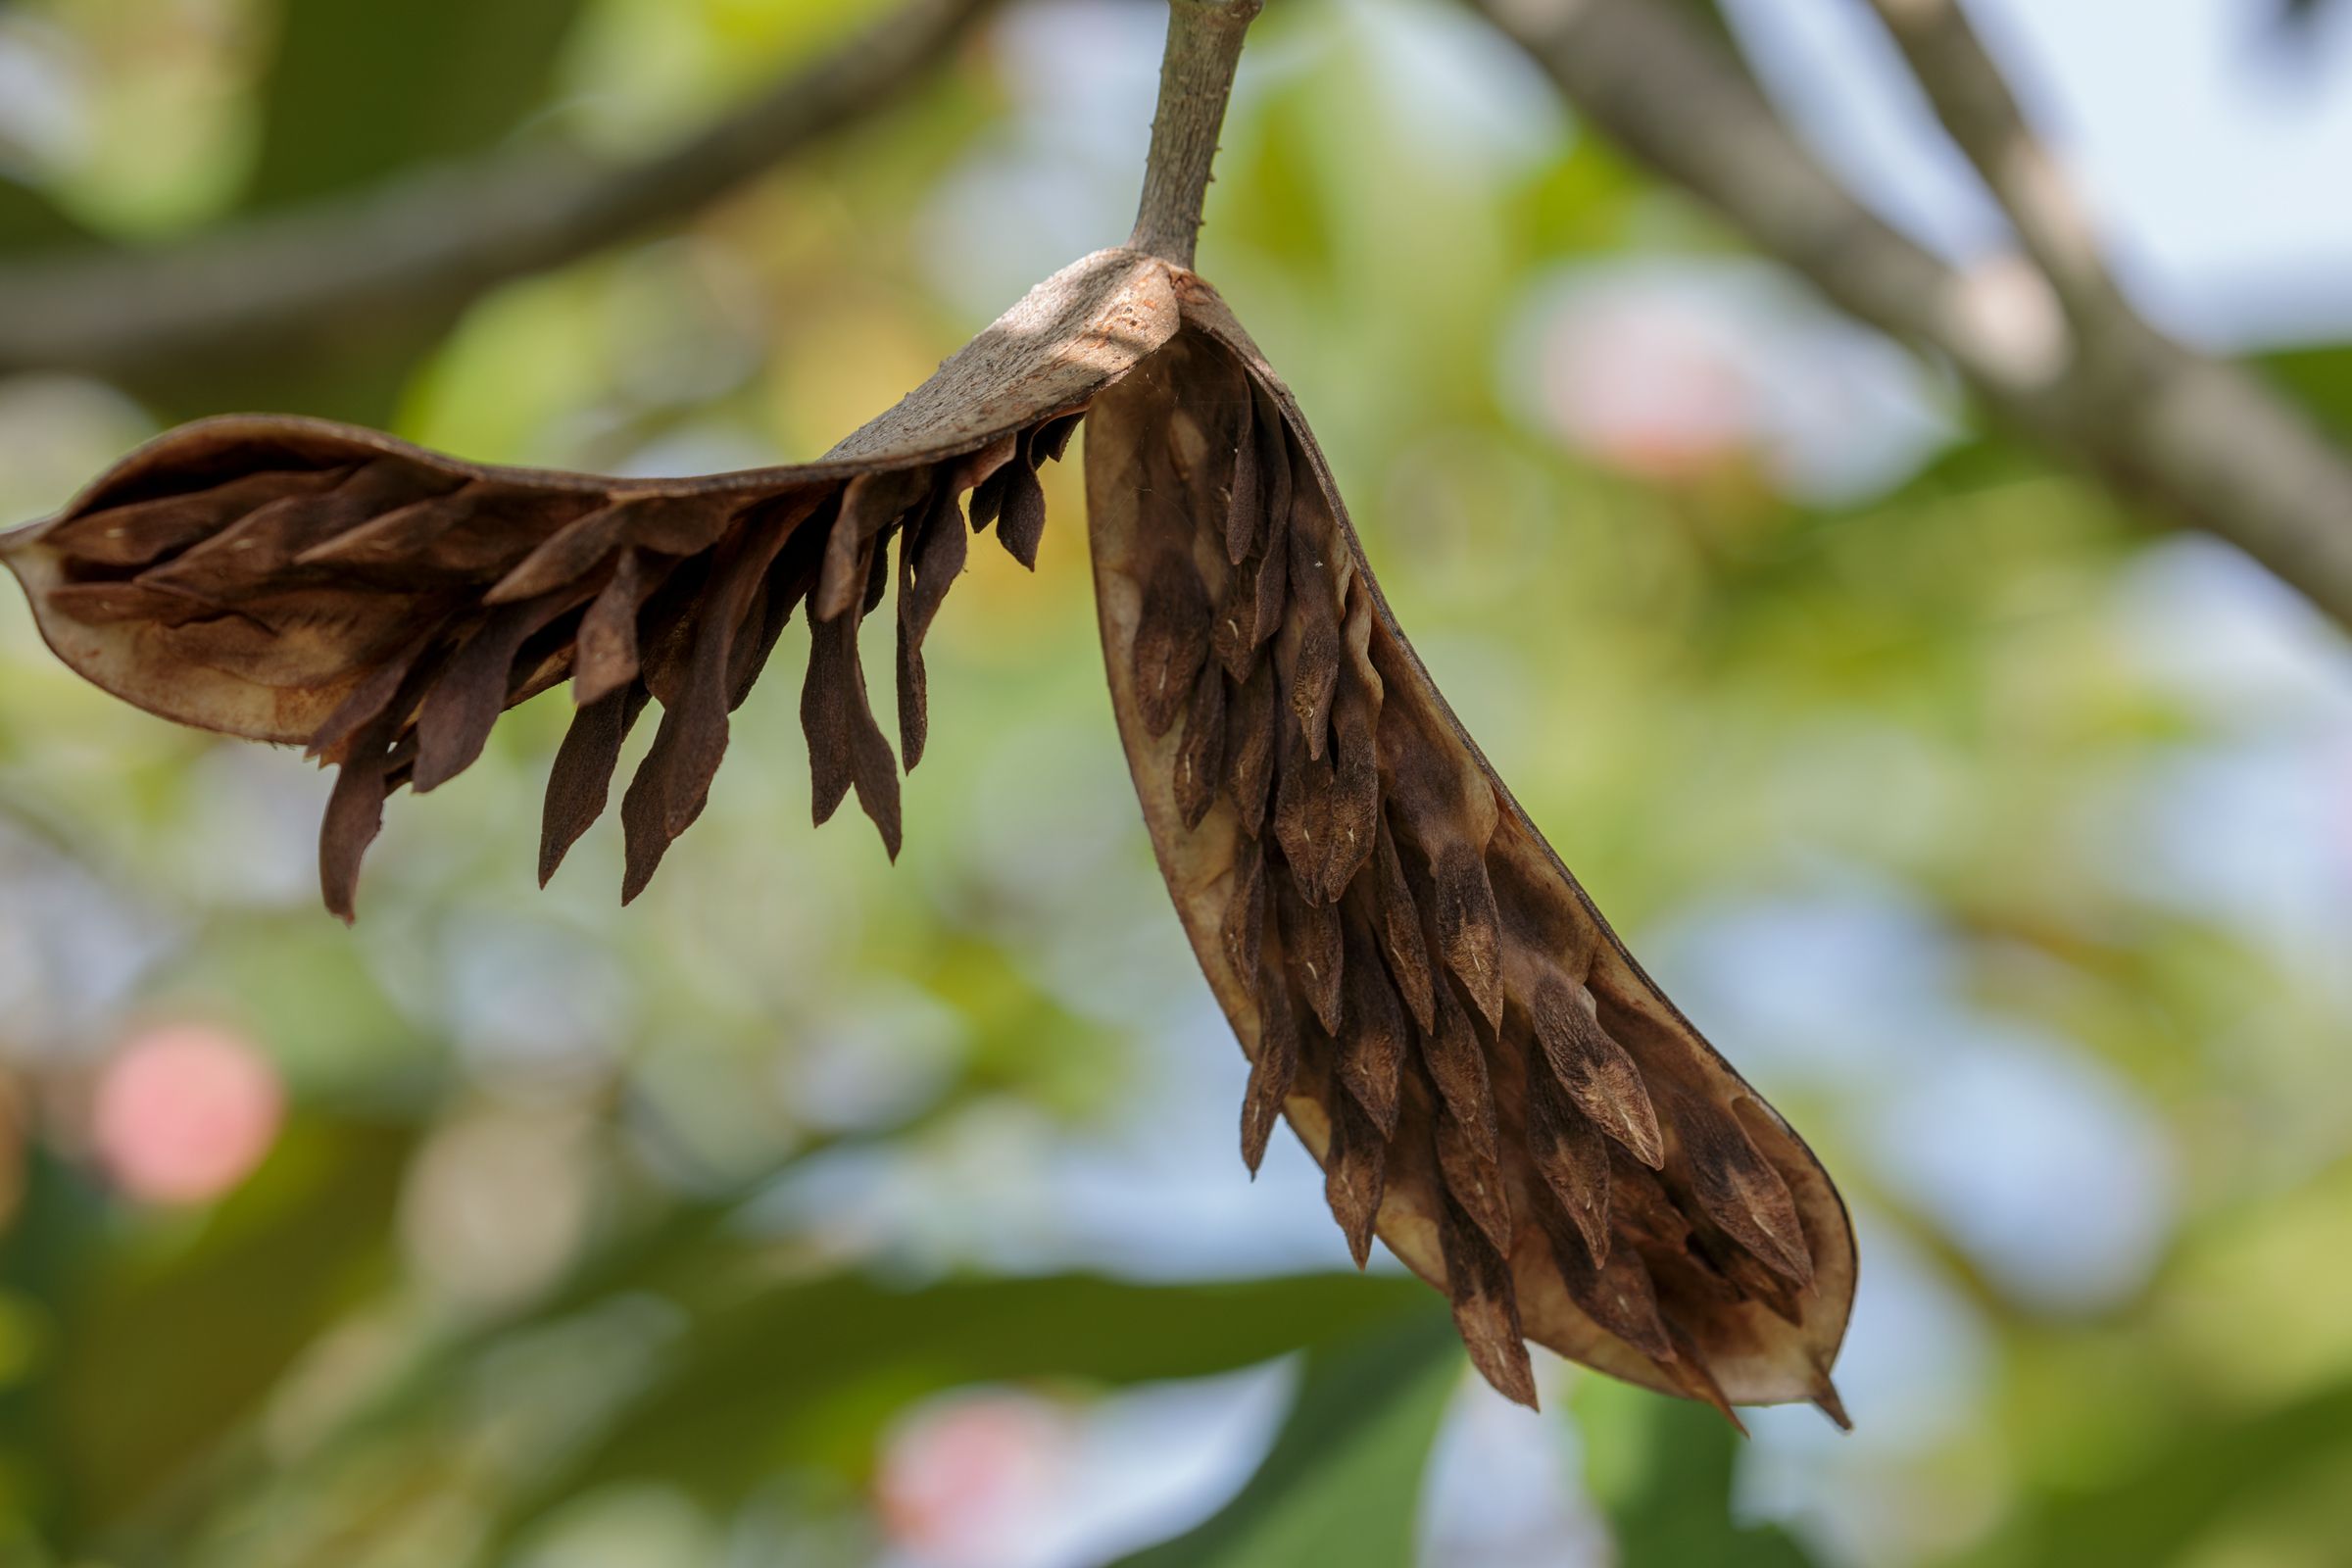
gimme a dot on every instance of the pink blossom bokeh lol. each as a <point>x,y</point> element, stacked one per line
<point>184,1112</point>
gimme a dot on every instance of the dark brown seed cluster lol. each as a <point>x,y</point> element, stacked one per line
<point>391,605</point>
<point>1425,991</point>
<point>1491,1084</point>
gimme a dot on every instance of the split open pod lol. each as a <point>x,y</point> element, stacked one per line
<point>1493,1086</point>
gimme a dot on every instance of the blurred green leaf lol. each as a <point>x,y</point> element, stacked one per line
<point>1343,1484</point>
<point>2320,378</point>
<point>363,89</point>
<point>1663,1471</point>
<point>29,221</point>
<point>173,1343</point>
<point>360,91</point>
<point>2205,1473</point>
<point>811,1373</point>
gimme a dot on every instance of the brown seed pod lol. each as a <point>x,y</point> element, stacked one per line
<point>288,580</point>
<point>1561,1151</point>
<point>1492,1084</point>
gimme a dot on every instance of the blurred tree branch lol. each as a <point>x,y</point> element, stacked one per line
<point>2046,337</point>
<point>420,247</point>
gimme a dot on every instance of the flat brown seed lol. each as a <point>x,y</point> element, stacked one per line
<point>825,700</point>
<point>1051,440</point>
<point>1469,932</point>
<point>143,531</point>
<point>1354,1173</point>
<point>1699,1380</point>
<point>606,657</point>
<point>1021,524</point>
<point>1474,1177</point>
<point>1740,1192</point>
<point>1745,1278</point>
<point>870,505</point>
<point>987,502</point>
<point>788,583</point>
<point>1235,637</point>
<point>914,700</point>
<point>463,704</point>
<point>667,622</point>
<point>580,547</point>
<point>1303,819</point>
<point>1312,947</point>
<point>1251,720</point>
<point>931,563</point>
<point>1244,500</point>
<point>1352,827</point>
<point>1571,1155</point>
<point>698,714</point>
<point>1200,755</point>
<point>1600,1078</point>
<point>1372,1046</point>
<point>931,555</point>
<point>110,603</point>
<point>1273,1070</point>
<point>875,772</point>
<point>1244,922</point>
<point>1641,1209</point>
<point>1486,1305</point>
<point>1401,930</point>
<point>581,780</point>
<point>1171,639</point>
<point>1271,433</point>
<point>244,558</point>
<point>1618,1294</point>
<point>1315,681</point>
<point>372,697</point>
<point>1457,1065</point>
<point>877,581</point>
<point>647,812</point>
<point>355,814</point>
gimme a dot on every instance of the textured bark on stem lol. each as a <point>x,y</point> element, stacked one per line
<point>1196,78</point>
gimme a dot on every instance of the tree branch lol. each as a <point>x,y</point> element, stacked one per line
<point>1195,81</point>
<point>426,244</point>
<point>2202,438</point>
<point>1974,100</point>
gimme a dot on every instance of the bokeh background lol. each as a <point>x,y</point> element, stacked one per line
<point>816,1211</point>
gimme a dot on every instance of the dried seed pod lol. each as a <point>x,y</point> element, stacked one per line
<point>291,581</point>
<point>1557,1075</point>
<point>288,580</point>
